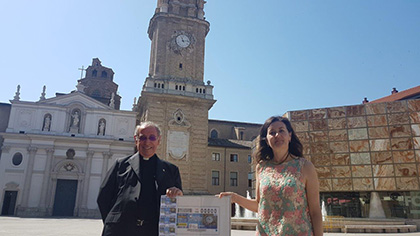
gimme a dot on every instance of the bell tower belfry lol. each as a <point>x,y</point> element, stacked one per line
<point>174,94</point>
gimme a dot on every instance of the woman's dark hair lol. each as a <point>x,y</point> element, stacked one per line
<point>263,150</point>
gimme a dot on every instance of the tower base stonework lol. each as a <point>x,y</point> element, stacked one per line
<point>184,127</point>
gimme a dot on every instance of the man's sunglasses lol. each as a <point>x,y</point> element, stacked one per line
<point>144,138</point>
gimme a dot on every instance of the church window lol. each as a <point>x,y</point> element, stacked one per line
<point>196,90</point>
<point>214,134</point>
<point>94,73</point>
<point>155,85</point>
<point>176,87</point>
<point>180,66</point>
<point>200,90</point>
<point>204,90</point>
<point>163,85</point>
<point>158,85</point>
<point>183,88</point>
<point>17,159</point>
<point>104,74</point>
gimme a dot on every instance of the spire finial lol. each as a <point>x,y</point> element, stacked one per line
<point>43,93</point>
<point>17,98</point>
<point>134,104</point>
<point>112,102</point>
<point>80,87</point>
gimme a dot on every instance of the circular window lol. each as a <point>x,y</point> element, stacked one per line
<point>17,159</point>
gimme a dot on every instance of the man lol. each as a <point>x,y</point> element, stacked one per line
<point>129,197</point>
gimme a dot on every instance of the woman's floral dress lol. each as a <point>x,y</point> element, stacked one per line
<point>283,207</point>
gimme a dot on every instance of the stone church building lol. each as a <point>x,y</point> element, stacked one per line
<point>57,150</point>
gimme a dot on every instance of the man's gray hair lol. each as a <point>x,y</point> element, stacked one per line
<point>146,124</point>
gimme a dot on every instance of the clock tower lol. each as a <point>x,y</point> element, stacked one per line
<point>174,94</point>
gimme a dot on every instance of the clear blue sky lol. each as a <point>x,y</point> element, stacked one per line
<point>263,57</point>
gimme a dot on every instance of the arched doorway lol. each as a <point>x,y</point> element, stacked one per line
<point>65,197</point>
<point>68,174</point>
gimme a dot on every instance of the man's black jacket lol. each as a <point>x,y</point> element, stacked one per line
<point>120,190</point>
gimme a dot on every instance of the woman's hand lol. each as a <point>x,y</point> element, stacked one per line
<point>173,192</point>
<point>250,204</point>
<point>232,195</point>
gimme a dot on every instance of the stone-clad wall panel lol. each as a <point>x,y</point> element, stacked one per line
<point>342,184</point>
<point>404,156</point>
<point>413,105</point>
<point>336,112</point>
<point>381,157</point>
<point>362,184</point>
<point>415,117</point>
<point>375,108</point>
<point>371,147</point>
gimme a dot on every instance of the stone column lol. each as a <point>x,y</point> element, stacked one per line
<point>375,209</point>
<point>106,155</point>
<point>28,175</point>
<point>88,164</point>
<point>46,179</point>
<point>51,197</point>
<point>79,194</point>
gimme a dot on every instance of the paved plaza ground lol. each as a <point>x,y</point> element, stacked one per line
<point>16,226</point>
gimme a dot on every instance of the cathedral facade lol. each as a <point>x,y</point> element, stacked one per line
<point>57,150</point>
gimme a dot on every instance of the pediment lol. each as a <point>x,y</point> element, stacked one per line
<point>73,98</point>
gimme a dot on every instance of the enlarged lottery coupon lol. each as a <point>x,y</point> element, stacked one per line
<point>194,215</point>
<point>167,220</point>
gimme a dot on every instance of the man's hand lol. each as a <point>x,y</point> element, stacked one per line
<point>173,192</point>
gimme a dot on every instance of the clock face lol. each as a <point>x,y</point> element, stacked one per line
<point>183,41</point>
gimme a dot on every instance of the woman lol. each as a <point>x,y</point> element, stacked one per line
<point>287,188</point>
